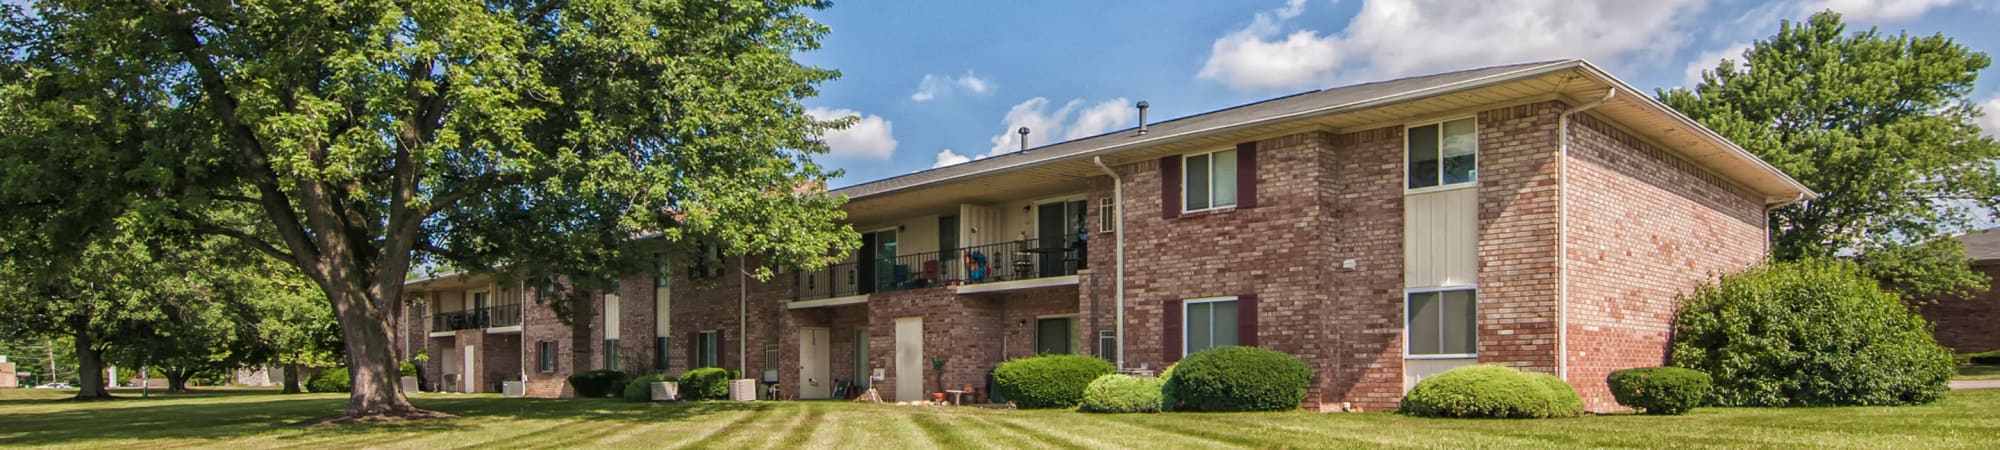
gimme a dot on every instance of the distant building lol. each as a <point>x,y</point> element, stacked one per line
<point>1966,325</point>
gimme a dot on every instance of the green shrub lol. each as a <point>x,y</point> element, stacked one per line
<point>1120,393</point>
<point>330,380</point>
<point>1491,391</point>
<point>1659,390</point>
<point>1236,379</point>
<point>1992,357</point>
<point>598,383</point>
<point>641,389</point>
<point>707,383</point>
<point>1048,381</point>
<point>1808,333</point>
<point>408,369</point>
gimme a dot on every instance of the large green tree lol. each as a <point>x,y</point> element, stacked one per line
<point>108,297</point>
<point>353,140</point>
<point>1881,125</point>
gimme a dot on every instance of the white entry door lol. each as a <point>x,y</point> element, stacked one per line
<point>471,383</point>
<point>814,356</point>
<point>909,359</point>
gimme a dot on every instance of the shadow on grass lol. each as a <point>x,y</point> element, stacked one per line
<point>226,415</point>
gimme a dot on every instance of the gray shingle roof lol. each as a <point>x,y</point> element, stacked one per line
<point>1982,245</point>
<point>1274,108</point>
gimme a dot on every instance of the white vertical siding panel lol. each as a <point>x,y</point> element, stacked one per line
<point>1441,232</point>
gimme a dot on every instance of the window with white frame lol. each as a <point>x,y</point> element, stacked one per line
<point>1107,215</point>
<point>1443,153</point>
<point>1208,323</point>
<point>710,348</point>
<point>1208,180</point>
<point>1443,323</point>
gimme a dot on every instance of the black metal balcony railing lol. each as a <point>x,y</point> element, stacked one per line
<point>477,318</point>
<point>1004,261</point>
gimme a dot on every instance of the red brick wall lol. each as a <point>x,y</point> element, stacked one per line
<point>1966,325</point>
<point>1644,227</point>
<point>539,323</point>
<point>500,360</point>
<point>1517,237</point>
<point>1362,187</point>
<point>1277,250</point>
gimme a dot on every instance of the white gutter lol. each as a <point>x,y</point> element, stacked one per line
<point>1562,231</point>
<point>1118,236</point>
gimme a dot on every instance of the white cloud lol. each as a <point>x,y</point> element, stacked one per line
<point>871,138</point>
<point>1045,124</point>
<point>1991,121</point>
<point>933,86</point>
<point>1709,60</point>
<point>1875,9</point>
<point>948,157</point>
<point>1390,38</point>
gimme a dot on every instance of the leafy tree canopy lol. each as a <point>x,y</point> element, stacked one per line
<point>354,140</point>
<point>1881,125</point>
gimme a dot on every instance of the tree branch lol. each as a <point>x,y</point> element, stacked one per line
<point>253,241</point>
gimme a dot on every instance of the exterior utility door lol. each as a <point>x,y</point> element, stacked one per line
<point>909,359</point>
<point>814,354</point>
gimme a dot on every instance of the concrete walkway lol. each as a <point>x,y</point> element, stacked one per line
<point>1976,384</point>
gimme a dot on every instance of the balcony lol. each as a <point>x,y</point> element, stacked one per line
<point>990,263</point>
<point>477,318</point>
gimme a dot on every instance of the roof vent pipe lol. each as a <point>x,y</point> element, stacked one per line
<point>1142,116</point>
<point>1024,138</point>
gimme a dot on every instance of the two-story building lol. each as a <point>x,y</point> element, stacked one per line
<point>1542,215</point>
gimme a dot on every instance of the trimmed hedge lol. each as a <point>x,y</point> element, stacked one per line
<point>330,380</point>
<point>641,389</point>
<point>1236,379</point>
<point>1992,357</point>
<point>598,383</point>
<point>1659,390</point>
<point>408,369</point>
<point>1492,391</point>
<point>1809,333</point>
<point>707,383</point>
<point>1120,393</point>
<point>1048,381</point>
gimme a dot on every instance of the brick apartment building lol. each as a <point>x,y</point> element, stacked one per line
<point>1966,325</point>
<point>1540,215</point>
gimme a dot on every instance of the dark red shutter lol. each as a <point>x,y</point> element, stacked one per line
<point>1246,320</point>
<point>694,350</point>
<point>1246,175</point>
<point>1170,332</point>
<point>1170,186</point>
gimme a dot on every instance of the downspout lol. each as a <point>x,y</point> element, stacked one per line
<point>742,316</point>
<point>1562,233</point>
<point>1118,254</point>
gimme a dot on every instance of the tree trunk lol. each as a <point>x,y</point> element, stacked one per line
<point>90,369</point>
<point>177,380</point>
<point>291,379</point>
<point>372,367</point>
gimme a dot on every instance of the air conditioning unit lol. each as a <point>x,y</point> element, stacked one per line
<point>743,390</point>
<point>666,391</point>
<point>409,384</point>
<point>513,389</point>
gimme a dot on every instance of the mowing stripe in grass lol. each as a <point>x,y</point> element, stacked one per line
<point>728,432</point>
<point>1189,427</point>
<point>1037,435</point>
<point>940,433</point>
<point>801,429</point>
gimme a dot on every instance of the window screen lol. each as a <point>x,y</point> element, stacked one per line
<point>1209,324</point>
<point>1443,323</point>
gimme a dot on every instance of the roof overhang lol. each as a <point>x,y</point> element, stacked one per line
<point>1064,167</point>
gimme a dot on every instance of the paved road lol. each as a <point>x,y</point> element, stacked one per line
<point>1978,384</point>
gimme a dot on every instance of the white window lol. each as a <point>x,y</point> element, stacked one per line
<point>1443,323</point>
<point>710,347</point>
<point>1107,215</point>
<point>1443,154</point>
<point>1208,180</point>
<point>611,354</point>
<point>1208,323</point>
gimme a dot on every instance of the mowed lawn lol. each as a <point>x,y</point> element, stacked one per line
<point>258,419</point>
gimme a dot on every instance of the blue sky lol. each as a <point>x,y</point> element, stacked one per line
<point>938,83</point>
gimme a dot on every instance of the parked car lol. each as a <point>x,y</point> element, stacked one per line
<point>55,386</point>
